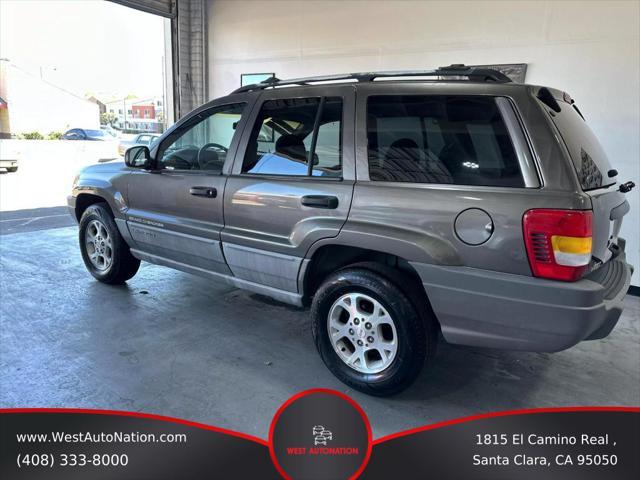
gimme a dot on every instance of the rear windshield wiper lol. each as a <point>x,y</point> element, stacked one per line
<point>626,187</point>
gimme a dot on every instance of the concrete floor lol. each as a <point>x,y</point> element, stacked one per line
<point>178,345</point>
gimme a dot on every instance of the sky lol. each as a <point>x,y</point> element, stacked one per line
<point>85,46</point>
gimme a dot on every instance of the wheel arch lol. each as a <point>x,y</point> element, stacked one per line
<point>330,257</point>
<point>84,201</point>
<point>90,196</point>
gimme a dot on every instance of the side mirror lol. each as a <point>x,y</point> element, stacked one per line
<point>138,157</point>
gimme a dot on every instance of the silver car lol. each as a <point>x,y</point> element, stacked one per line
<point>400,206</point>
<point>145,139</point>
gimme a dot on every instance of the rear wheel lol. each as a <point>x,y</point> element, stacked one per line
<point>369,332</point>
<point>105,253</point>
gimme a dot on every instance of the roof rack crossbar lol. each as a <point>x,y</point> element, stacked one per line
<point>456,70</point>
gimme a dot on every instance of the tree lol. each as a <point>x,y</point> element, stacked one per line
<point>108,118</point>
<point>32,136</point>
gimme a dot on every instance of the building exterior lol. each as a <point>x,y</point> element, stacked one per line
<point>135,115</point>
<point>101,105</point>
<point>32,104</point>
<point>143,111</point>
<point>4,108</point>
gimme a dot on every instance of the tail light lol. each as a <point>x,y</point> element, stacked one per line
<point>558,242</point>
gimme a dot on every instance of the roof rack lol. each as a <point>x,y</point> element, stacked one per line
<point>456,70</point>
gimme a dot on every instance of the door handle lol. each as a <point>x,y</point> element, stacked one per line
<point>320,201</point>
<point>208,192</point>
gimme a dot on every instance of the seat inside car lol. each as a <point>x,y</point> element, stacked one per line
<point>209,159</point>
<point>291,146</point>
<point>403,162</point>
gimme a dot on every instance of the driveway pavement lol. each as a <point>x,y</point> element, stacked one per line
<point>34,219</point>
<point>46,169</point>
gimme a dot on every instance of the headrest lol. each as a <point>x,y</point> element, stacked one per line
<point>292,146</point>
<point>404,143</point>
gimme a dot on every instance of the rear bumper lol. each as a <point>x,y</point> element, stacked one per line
<point>515,312</point>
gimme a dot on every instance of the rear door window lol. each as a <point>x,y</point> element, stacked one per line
<point>282,139</point>
<point>587,155</point>
<point>459,140</point>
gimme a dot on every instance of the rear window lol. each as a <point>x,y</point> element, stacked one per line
<point>459,140</point>
<point>587,155</point>
<point>96,133</point>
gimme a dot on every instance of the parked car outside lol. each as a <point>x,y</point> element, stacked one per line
<point>115,134</point>
<point>145,139</point>
<point>10,155</point>
<point>8,164</point>
<point>87,134</point>
<point>398,210</point>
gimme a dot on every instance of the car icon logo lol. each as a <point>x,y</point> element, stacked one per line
<point>321,435</point>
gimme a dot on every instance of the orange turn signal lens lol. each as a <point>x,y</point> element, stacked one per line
<point>571,251</point>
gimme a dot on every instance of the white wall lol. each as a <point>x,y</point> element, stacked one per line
<point>35,105</point>
<point>589,49</point>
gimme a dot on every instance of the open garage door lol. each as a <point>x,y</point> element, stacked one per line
<point>166,8</point>
<point>187,75</point>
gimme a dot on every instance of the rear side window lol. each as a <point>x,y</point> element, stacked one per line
<point>587,155</point>
<point>284,138</point>
<point>440,139</point>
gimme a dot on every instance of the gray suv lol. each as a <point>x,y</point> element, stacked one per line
<point>399,206</point>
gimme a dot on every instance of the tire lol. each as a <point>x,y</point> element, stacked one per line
<point>12,169</point>
<point>97,223</point>
<point>413,327</point>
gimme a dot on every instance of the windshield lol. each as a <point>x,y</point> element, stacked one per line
<point>96,133</point>
<point>588,156</point>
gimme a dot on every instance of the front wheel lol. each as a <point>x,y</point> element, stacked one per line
<point>369,332</point>
<point>105,253</point>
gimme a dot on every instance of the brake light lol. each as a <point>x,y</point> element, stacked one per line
<point>558,242</point>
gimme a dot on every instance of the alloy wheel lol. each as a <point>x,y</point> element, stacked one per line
<point>362,333</point>
<point>98,245</point>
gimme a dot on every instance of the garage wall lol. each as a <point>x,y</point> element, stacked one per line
<point>190,32</point>
<point>589,49</point>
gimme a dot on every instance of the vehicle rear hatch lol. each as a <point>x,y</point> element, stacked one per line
<point>595,174</point>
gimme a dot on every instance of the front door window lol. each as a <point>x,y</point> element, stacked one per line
<point>204,145</point>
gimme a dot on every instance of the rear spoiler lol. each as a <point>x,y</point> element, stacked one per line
<point>551,96</point>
